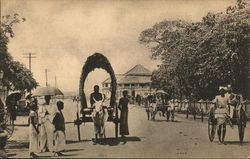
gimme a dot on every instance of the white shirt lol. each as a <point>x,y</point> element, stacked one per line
<point>42,112</point>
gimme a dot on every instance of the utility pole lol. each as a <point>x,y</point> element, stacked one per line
<point>55,82</point>
<point>46,75</point>
<point>29,56</point>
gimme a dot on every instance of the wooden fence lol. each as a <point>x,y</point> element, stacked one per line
<point>201,108</point>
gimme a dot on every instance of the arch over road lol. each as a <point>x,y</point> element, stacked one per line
<point>94,61</point>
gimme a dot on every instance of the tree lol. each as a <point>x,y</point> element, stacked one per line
<point>198,57</point>
<point>16,75</point>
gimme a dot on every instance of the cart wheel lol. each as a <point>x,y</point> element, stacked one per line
<point>9,124</point>
<point>211,129</point>
<point>241,125</point>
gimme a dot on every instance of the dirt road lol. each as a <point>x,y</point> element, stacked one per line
<point>184,138</point>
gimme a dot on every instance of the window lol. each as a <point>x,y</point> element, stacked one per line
<point>106,84</point>
<point>126,85</point>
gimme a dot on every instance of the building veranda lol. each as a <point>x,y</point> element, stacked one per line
<point>137,81</point>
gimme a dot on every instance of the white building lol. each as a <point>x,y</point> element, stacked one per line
<point>136,81</point>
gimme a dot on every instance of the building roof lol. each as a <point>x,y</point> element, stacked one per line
<point>138,70</point>
<point>118,77</point>
<point>138,74</point>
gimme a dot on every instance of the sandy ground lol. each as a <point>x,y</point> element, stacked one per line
<point>184,138</point>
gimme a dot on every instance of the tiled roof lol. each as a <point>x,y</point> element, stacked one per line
<point>138,74</point>
<point>139,70</point>
<point>118,77</point>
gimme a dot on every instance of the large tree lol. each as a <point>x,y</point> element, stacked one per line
<point>198,57</point>
<point>16,75</point>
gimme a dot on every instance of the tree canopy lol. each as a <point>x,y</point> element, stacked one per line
<point>16,75</point>
<point>197,57</point>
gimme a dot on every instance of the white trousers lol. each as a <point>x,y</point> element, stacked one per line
<point>46,136</point>
<point>33,137</point>
<point>59,141</point>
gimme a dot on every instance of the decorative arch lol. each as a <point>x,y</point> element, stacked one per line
<point>94,61</point>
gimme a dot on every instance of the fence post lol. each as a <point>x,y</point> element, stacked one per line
<point>194,113</point>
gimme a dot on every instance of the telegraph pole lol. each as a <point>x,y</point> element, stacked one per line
<point>29,56</point>
<point>46,75</point>
<point>55,83</point>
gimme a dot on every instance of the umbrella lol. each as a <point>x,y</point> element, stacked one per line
<point>161,92</point>
<point>201,101</point>
<point>48,90</point>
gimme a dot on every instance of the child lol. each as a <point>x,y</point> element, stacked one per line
<point>59,131</point>
<point>33,130</point>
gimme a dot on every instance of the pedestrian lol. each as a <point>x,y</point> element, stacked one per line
<point>33,131</point>
<point>172,105</point>
<point>159,104</point>
<point>123,107</point>
<point>46,114</point>
<point>59,131</point>
<point>222,113</point>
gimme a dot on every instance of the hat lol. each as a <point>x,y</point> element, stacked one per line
<point>222,88</point>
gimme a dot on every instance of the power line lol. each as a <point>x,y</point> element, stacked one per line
<point>29,56</point>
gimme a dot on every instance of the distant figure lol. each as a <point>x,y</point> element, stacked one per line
<point>59,131</point>
<point>159,103</point>
<point>96,95</point>
<point>138,99</point>
<point>172,104</point>
<point>33,131</point>
<point>11,103</point>
<point>46,114</point>
<point>123,106</point>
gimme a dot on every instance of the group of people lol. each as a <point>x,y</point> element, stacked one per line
<point>46,127</point>
<point>158,102</point>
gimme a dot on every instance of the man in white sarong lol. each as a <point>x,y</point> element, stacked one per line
<point>222,113</point>
<point>222,104</point>
<point>46,115</point>
<point>172,104</point>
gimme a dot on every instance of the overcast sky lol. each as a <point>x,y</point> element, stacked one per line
<point>63,33</point>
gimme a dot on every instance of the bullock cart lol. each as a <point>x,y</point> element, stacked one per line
<point>83,114</point>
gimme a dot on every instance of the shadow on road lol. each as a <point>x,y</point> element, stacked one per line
<point>237,143</point>
<point>175,121</point>
<point>114,141</point>
<point>72,150</point>
<point>76,141</point>
<point>17,145</point>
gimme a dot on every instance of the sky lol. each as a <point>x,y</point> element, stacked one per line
<point>63,33</point>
